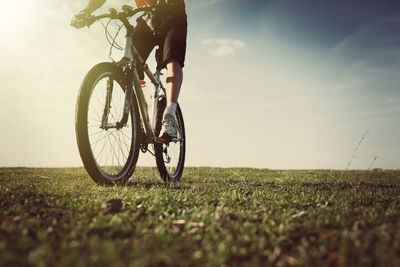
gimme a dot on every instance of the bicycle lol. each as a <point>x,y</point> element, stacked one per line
<point>112,120</point>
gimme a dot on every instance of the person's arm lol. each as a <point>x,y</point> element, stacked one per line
<point>93,5</point>
<point>78,21</point>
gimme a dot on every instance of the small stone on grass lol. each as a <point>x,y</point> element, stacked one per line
<point>111,206</point>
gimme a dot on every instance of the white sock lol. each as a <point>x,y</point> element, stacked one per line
<point>171,109</point>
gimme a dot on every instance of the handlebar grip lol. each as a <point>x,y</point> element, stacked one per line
<point>90,21</point>
<point>127,8</point>
<point>113,11</point>
<point>84,19</point>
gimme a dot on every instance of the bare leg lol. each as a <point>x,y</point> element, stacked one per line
<point>174,81</point>
<point>173,87</point>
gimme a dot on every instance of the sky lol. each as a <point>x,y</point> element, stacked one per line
<point>279,84</point>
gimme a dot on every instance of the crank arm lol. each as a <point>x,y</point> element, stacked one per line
<point>163,139</point>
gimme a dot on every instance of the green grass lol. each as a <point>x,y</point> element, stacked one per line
<point>53,217</point>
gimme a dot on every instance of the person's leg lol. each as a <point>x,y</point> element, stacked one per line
<point>144,41</point>
<point>174,51</point>
<point>173,85</point>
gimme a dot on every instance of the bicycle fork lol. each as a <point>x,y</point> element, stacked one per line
<point>127,103</point>
<point>128,64</point>
<point>104,120</point>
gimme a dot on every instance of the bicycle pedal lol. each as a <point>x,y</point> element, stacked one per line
<point>165,138</point>
<point>161,139</point>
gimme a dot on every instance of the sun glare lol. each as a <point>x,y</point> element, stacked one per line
<point>17,17</point>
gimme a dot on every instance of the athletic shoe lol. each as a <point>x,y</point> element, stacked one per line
<point>168,129</point>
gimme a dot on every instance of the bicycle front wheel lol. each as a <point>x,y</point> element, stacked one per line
<point>109,154</point>
<point>170,157</point>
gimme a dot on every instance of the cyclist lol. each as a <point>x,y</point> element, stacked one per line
<point>167,28</point>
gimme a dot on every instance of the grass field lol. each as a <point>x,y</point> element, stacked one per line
<point>214,217</point>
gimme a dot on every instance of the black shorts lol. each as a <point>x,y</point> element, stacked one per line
<point>171,40</point>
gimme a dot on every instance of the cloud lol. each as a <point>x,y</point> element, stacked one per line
<point>210,2</point>
<point>235,43</point>
<point>223,50</point>
<point>223,47</point>
<point>207,41</point>
<point>207,2</point>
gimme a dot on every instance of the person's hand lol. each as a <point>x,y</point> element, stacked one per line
<point>80,20</point>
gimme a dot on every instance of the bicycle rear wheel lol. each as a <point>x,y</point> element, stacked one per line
<point>109,154</point>
<point>170,157</point>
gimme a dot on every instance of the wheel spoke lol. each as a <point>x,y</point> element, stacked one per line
<point>123,138</point>
<point>119,145</point>
<point>119,149</point>
<point>100,139</point>
<point>126,135</point>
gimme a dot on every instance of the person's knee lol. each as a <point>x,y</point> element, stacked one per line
<point>173,65</point>
<point>174,70</point>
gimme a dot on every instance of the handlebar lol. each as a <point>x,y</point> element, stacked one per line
<point>123,16</point>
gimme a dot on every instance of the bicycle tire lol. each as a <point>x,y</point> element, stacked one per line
<point>170,173</point>
<point>103,175</point>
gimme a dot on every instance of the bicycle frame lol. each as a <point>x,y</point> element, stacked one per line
<point>133,56</point>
